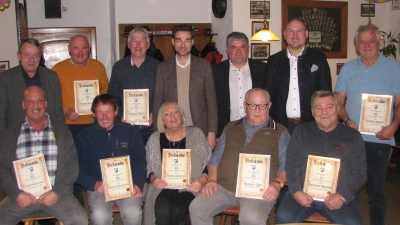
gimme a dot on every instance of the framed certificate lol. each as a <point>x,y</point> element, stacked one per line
<point>84,93</point>
<point>321,176</point>
<point>32,176</point>
<point>176,168</point>
<point>376,111</point>
<point>253,175</point>
<point>117,177</point>
<point>136,106</point>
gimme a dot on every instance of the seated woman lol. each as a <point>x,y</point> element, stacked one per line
<point>170,206</point>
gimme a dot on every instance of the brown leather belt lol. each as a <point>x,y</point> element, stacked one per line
<point>294,120</point>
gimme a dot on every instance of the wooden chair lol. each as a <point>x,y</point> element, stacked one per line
<point>234,212</point>
<point>37,216</point>
<point>317,218</point>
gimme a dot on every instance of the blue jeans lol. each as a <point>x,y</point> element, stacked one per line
<point>290,211</point>
<point>67,209</point>
<point>101,211</point>
<point>252,211</point>
<point>377,165</point>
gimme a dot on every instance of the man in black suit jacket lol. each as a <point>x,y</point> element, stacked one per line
<point>234,77</point>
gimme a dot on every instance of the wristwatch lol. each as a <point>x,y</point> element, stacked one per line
<point>280,184</point>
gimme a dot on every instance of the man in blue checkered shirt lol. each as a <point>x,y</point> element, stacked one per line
<point>35,135</point>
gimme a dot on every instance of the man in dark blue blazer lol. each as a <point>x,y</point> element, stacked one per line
<point>234,77</point>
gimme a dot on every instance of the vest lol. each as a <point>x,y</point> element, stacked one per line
<point>265,141</point>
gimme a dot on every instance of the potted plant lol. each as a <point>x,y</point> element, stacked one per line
<point>389,44</point>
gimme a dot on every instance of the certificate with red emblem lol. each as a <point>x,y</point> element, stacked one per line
<point>117,177</point>
<point>32,175</point>
<point>176,168</point>
<point>136,106</point>
<point>322,175</point>
<point>253,175</point>
<point>84,93</point>
<point>375,112</point>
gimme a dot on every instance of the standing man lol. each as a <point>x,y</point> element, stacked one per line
<point>78,67</point>
<point>256,133</point>
<point>234,77</point>
<point>14,81</point>
<point>328,138</point>
<point>109,137</point>
<point>371,73</point>
<point>188,80</point>
<point>136,71</point>
<point>52,139</point>
<point>293,75</point>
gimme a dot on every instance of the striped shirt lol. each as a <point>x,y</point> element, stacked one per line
<point>31,143</point>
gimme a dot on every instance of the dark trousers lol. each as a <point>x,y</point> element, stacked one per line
<point>377,165</point>
<point>172,207</point>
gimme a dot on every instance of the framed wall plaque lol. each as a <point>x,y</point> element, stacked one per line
<point>258,10</point>
<point>260,51</point>
<point>326,22</point>
<point>367,10</point>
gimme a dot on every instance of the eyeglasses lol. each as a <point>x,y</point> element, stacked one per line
<point>260,106</point>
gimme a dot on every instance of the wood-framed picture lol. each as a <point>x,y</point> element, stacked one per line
<point>4,65</point>
<point>367,10</point>
<point>259,10</point>
<point>325,21</point>
<point>260,51</point>
<point>395,4</point>
<point>339,67</point>
<point>257,26</point>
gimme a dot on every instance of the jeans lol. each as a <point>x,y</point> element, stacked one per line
<point>252,211</point>
<point>377,165</point>
<point>67,209</point>
<point>101,211</point>
<point>290,211</point>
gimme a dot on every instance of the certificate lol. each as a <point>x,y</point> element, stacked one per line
<point>32,176</point>
<point>84,93</point>
<point>321,176</point>
<point>176,168</point>
<point>117,177</point>
<point>136,106</point>
<point>253,175</point>
<point>375,112</point>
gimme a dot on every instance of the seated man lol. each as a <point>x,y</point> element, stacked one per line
<point>52,139</point>
<point>324,137</point>
<point>109,137</point>
<point>256,133</point>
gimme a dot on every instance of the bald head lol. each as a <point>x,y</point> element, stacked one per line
<point>79,50</point>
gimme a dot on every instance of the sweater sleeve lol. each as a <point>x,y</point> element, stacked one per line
<point>138,159</point>
<point>84,178</point>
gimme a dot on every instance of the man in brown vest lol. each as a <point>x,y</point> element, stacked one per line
<point>256,133</point>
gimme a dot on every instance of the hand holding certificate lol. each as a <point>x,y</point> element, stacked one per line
<point>253,175</point>
<point>375,113</point>
<point>117,178</point>
<point>32,176</point>
<point>176,168</point>
<point>84,93</point>
<point>321,176</point>
<point>136,106</point>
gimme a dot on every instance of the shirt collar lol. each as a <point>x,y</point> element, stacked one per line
<point>26,124</point>
<point>245,66</point>
<point>72,61</point>
<point>183,66</point>
<point>303,51</point>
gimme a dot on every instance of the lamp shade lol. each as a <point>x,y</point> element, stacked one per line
<point>265,35</point>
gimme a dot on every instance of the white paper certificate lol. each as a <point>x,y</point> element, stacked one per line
<point>321,176</point>
<point>32,175</point>
<point>117,177</point>
<point>375,112</point>
<point>136,106</point>
<point>253,175</point>
<point>84,93</point>
<point>176,168</point>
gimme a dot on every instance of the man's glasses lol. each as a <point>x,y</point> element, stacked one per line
<point>260,106</point>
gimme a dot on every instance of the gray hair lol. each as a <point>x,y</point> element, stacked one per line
<point>363,28</point>
<point>160,125</point>
<point>139,30</point>
<point>258,89</point>
<point>323,94</point>
<point>31,41</point>
<point>238,36</point>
